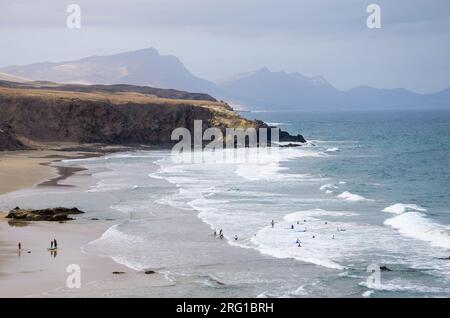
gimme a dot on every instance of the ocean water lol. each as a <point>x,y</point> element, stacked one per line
<point>370,189</point>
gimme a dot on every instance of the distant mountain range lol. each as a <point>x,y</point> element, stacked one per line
<point>262,89</point>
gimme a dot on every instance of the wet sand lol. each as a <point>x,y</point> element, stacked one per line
<point>34,271</point>
<point>24,169</point>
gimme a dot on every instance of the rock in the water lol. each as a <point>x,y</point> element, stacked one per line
<point>285,136</point>
<point>54,214</point>
<point>118,273</point>
<point>149,272</point>
<point>289,145</point>
<point>385,269</point>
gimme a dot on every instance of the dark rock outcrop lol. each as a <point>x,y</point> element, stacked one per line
<point>285,136</point>
<point>8,141</point>
<point>53,214</point>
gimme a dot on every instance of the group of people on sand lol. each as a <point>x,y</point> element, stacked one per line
<point>220,235</point>
<point>53,246</point>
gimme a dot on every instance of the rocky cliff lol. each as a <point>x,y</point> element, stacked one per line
<point>106,114</point>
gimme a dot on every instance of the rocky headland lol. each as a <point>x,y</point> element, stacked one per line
<point>129,115</point>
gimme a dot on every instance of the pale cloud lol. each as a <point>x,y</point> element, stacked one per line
<point>216,38</point>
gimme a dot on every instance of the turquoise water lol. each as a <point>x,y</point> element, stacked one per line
<point>390,156</point>
<point>368,190</point>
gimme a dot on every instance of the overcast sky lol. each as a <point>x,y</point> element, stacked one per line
<point>218,38</point>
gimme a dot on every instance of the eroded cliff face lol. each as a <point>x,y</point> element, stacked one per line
<point>8,141</point>
<point>111,118</point>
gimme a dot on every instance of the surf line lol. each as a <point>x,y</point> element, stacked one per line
<point>188,308</point>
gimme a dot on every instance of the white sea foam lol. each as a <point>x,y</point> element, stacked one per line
<point>316,237</point>
<point>416,225</point>
<point>278,124</point>
<point>401,285</point>
<point>348,196</point>
<point>328,188</point>
<point>114,239</point>
<point>103,186</point>
<point>367,293</point>
<point>399,208</point>
<point>226,197</point>
<point>334,149</point>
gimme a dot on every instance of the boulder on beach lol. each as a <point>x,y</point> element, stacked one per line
<point>53,214</point>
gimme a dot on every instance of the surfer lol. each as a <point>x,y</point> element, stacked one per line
<point>292,226</point>
<point>55,243</point>
<point>51,244</point>
<point>20,246</point>
<point>215,233</point>
<point>273,223</point>
<point>235,237</point>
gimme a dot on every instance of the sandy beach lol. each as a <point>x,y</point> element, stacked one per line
<point>34,271</point>
<point>24,169</point>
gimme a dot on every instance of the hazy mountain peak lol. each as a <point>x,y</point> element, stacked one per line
<point>261,88</point>
<point>140,67</point>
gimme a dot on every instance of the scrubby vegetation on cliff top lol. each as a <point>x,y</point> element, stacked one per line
<point>106,117</point>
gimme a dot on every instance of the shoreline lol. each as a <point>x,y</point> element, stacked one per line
<point>25,169</point>
<point>33,271</point>
<point>187,260</point>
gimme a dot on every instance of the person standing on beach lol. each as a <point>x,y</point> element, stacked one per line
<point>55,243</point>
<point>20,246</point>
<point>273,223</point>
<point>51,244</point>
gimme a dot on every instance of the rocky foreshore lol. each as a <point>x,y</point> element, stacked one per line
<point>52,214</point>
